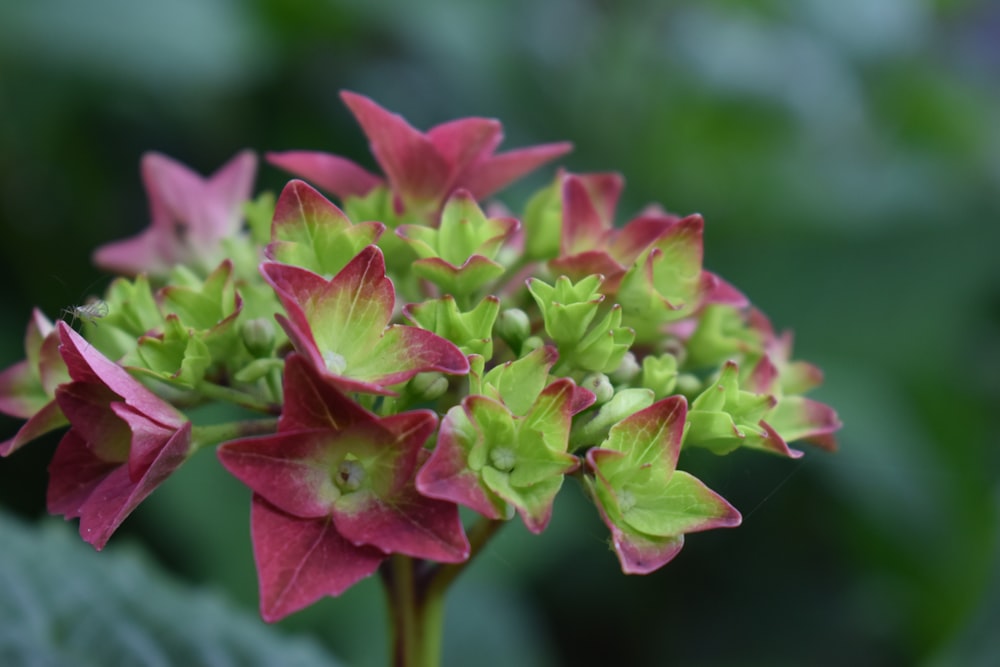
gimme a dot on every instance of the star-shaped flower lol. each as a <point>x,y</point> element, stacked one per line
<point>341,325</point>
<point>190,216</point>
<point>334,493</point>
<point>645,501</point>
<point>652,265</point>
<point>123,442</point>
<point>422,169</point>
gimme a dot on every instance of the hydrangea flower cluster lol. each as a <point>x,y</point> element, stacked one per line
<point>408,352</point>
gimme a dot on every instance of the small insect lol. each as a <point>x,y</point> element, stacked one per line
<point>87,313</point>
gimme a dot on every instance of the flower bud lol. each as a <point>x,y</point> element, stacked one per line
<point>531,343</point>
<point>428,386</point>
<point>659,373</point>
<point>689,384</point>
<point>623,404</point>
<point>258,336</point>
<point>513,326</point>
<point>627,369</point>
<point>600,385</point>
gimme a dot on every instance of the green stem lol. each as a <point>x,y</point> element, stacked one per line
<point>213,434</point>
<point>416,597</point>
<point>400,580</point>
<point>236,397</point>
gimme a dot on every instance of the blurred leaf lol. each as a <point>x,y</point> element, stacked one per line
<point>61,603</point>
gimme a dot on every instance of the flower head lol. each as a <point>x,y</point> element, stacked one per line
<point>123,442</point>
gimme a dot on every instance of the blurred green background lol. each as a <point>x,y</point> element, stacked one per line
<point>846,156</point>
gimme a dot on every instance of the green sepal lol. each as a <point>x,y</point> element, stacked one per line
<point>664,284</point>
<point>722,333</point>
<point>131,312</point>
<point>210,308</point>
<point>663,508</point>
<point>567,308</point>
<point>458,255</point>
<point>178,355</point>
<point>623,404</point>
<point>464,280</point>
<point>645,501</point>
<point>376,205</point>
<point>659,373</point>
<point>308,231</point>
<point>471,331</point>
<point>542,222</point>
<point>604,346</point>
<point>518,383</point>
<point>259,213</point>
<point>203,305</point>
<point>464,231</point>
<point>522,460</point>
<point>725,417</point>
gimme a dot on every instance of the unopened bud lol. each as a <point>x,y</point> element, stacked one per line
<point>627,369</point>
<point>531,343</point>
<point>258,336</point>
<point>513,326</point>
<point>429,386</point>
<point>689,385</point>
<point>600,385</point>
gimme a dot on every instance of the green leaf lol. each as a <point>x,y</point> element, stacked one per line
<point>61,603</point>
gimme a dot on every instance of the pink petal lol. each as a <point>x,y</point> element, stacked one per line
<point>103,495</point>
<point>86,406</point>
<point>173,189</point>
<point>232,184</point>
<point>492,174</point>
<point>300,561</point>
<point>146,441</point>
<point>49,418</point>
<point>446,475</point>
<point>590,262</point>
<point>338,176</point>
<point>291,470</point>
<point>74,473</point>
<point>461,141</point>
<point>413,165</point>
<point>151,251</point>
<point>87,365</point>
<point>311,402</point>
<point>716,290</point>
<point>407,523</point>
<point>299,205</point>
<point>584,228</point>
<point>638,234</point>
<point>20,395</point>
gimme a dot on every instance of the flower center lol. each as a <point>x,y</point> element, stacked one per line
<point>334,362</point>
<point>626,500</point>
<point>350,475</point>
<point>503,458</point>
